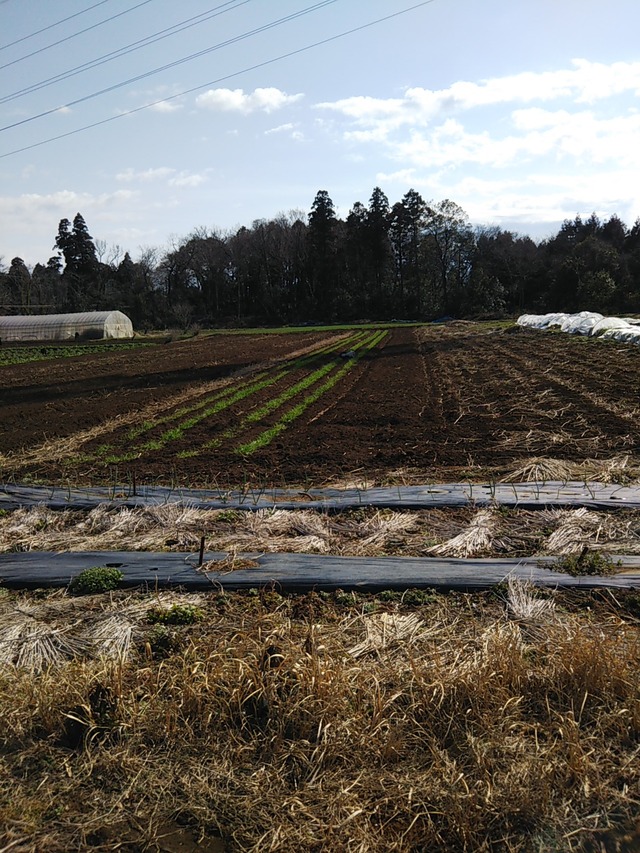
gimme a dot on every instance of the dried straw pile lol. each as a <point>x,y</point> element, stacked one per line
<point>366,532</point>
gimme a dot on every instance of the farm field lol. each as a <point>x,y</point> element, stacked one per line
<point>425,404</point>
<point>506,721</point>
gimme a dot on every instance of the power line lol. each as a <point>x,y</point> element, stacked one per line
<point>51,26</point>
<point>74,35</point>
<point>175,63</point>
<point>129,48</point>
<point>219,79</point>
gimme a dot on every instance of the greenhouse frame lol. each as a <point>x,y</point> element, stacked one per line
<point>88,325</point>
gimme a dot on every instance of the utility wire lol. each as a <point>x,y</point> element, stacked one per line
<point>219,79</point>
<point>128,48</point>
<point>74,35</point>
<point>173,64</point>
<point>51,26</point>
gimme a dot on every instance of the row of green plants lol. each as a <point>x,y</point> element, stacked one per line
<point>272,405</point>
<point>291,415</point>
<point>185,418</point>
<point>24,355</point>
<point>216,402</point>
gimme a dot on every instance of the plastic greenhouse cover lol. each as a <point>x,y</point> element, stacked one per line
<point>608,323</point>
<point>591,323</point>
<point>581,324</point>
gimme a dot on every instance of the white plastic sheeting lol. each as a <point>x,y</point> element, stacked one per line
<point>65,327</point>
<point>625,330</point>
<point>582,323</point>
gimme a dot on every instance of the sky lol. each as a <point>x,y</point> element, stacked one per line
<point>154,118</point>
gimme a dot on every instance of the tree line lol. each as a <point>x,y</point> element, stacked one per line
<point>411,260</point>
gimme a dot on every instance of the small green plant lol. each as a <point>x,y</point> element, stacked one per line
<point>587,563</point>
<point>228,516</point>
<point>161,642</point>
<point>95,580</point>
<point>177,614</point>
<point>389,595</point>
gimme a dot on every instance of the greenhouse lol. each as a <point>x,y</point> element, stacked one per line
<point>89,325</point>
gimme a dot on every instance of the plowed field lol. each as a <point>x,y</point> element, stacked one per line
<point>425,404</point>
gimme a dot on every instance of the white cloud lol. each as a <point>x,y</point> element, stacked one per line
<point>544,198</point>
<point>289,128</point>
<point>166,107</point>
<point>145,175</point>
<point>186,179</point>
<point>580,137</point>
<point>585,82</point>
<point>235,100</point>
<point>172,177</point>
<point>65,202</point>
<point>402,176</point>
<point>281,128</point>
<point>36,216</point>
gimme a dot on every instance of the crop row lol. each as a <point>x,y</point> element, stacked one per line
<point>322,375</point>
<point>23,355</point>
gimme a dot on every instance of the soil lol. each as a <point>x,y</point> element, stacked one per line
<point>428,404</point>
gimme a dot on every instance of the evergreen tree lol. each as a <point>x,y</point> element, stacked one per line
<point>81,264</point>
<point>18,284</point>
<point>406,230</point>
<point>379,251</point>
<point>321,235</point>
<point>355,262</point>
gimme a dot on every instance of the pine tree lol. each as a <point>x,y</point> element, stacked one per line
<point>81,263</point>
<point>322,261</point>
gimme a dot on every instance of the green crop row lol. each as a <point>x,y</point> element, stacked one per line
<point>230,390</point>
<point>364,344</point>
<point>293,414</point>
<point>23,355</point>
<point>213,404</point>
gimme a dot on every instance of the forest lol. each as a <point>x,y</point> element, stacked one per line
<point>413,260</point>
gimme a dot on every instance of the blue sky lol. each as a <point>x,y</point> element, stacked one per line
<point>524,113</point>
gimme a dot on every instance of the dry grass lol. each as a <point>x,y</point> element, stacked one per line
<point>541,469</point>
<point>477,538</point>
<point>618,469</point>
<point>462,532</point>
<point>176,527</point>
<point>290,724</point>
<point>575,529</point>
<point>37,634</point>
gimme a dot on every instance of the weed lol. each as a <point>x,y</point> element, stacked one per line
<point>162,643</point>
<point>227,516</point>
<point>177,614</point>
<point>95,580</point>
<point>587,562</point>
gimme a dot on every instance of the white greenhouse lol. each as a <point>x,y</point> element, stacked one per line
<point>66,327</point>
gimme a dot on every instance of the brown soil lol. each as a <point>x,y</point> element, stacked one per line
<point>46,399</point>
<point>428,404</point>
